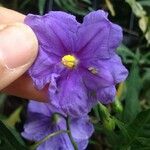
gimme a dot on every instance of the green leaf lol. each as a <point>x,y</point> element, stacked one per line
<point>24,3</point>
<point>87,1</point>
<point>96,112</point>
<point>145,84</point>
<point>2,98</point>
<point>133,135</point>
<point>145,58</point>
<point>8,140</point>
<point>110,7</point>
<point>72,6</point>
<point>144,23</point>
<point>93,142</point>
<point>136,128</point>
<point>2,101</point>
<point>113,139</point>
<point>58,2</point>
<point>41,5</point>
<point>132,106</point>
<point>123,128</point>
<point>2,117</point>
<point>144,141</point>
<point>126,54</point>
<point>136,8</point>
<point>17,136</point>
<point>145,2</point>
<point>14,117</point>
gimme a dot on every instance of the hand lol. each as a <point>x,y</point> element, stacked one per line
<point>18,50</point>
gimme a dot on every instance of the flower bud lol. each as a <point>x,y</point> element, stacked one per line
<point>55,118</point>
<point>107,120</point>
<point>109,124</point>
<point>117,105</point>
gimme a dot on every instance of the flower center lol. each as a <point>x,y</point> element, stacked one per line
<point>69,61</point>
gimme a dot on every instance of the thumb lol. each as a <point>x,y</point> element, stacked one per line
<point>18,49</point>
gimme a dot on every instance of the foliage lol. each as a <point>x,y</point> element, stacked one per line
<point>8,139</point>
<point>125,124</point>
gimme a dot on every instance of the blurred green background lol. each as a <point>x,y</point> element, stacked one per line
<point>123,125</point>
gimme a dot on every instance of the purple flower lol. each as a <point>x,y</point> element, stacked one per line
<point>41,122</point>
<point>77,61</point>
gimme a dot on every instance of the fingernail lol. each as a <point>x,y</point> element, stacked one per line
<point>17,46</point>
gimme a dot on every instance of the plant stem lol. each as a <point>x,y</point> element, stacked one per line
<point>34,146</point>
<point>70,135</point>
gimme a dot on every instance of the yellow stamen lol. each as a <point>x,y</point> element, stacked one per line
<point>92,70</point>
<point>69,61</point>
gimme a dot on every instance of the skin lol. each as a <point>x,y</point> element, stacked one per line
<point>18,50</point>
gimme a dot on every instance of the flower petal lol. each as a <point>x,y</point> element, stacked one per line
<point>102,77</point>
<point>36,127</point>
<point>39,126</point>
<point>55,31</point>
<point>39,107</point>
<point>42,68</point>
<point>106,95</point>
<point>81,128</point>
<point>95,17</point>
<point>97,36</point>
<point>71,96</point>
<point>82,145</point>
<point>59,142</point>
<point>116,68</point>
<point>43,108</point>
